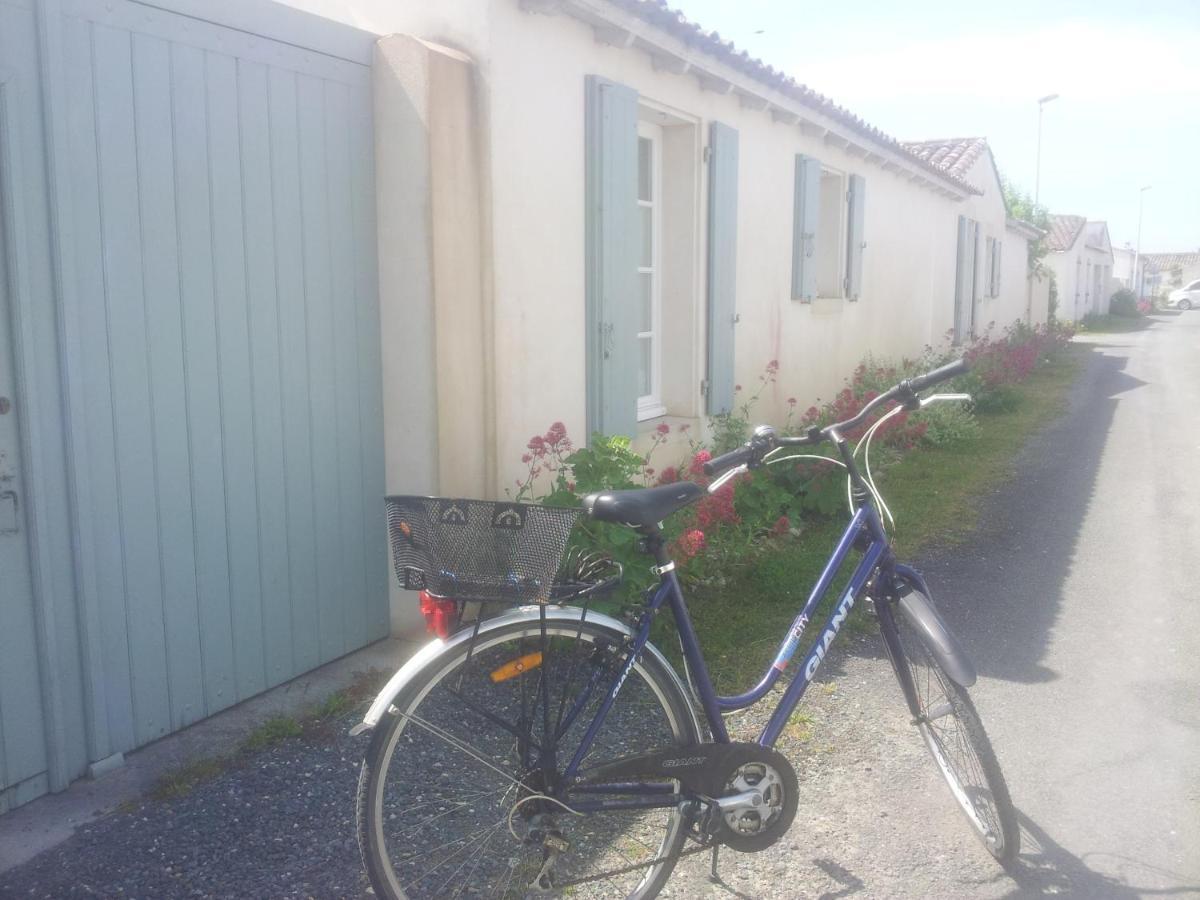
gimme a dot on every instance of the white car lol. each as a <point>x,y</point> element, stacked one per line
<point>1187,297</point>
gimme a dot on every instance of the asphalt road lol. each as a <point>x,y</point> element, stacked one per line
<point>1079,601</point>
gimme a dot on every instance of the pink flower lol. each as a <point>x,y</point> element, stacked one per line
<point>781,526</point>
<point>669,475</point>
<point>663,428</point>
<point>527,458</point>
<point>791,401</point>
<point>698,461</point>
<point>690,544</point>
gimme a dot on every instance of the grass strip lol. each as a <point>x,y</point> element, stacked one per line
<point>934,494</point>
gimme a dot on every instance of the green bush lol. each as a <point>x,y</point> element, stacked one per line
<point>948,423</point>
<point>1124,303</point>
<point>751,519</point>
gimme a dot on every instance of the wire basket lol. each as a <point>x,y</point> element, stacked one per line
<point>478,549</point>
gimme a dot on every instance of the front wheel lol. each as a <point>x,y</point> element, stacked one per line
<point>953,733</point>
<point>450,794</point>
<point>1185,304</point>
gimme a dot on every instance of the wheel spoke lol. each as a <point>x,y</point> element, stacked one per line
<point>453,758</point>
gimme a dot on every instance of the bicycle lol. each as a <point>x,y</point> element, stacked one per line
<point>555,749</point>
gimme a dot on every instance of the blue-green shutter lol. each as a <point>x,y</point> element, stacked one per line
<point>722,264</point>
<point>961,281</point>
<point>806,192</point>
<point>998,254</point>
<point>854,236</point>
<point>611,256</point>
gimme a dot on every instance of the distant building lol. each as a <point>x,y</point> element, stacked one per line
<point>1167,271</point>
<point>1124,259</point>
<point>1082,259</point>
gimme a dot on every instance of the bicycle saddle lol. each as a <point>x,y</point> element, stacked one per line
<point>644,506</point>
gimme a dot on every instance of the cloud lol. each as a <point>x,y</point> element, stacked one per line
<point>1086,61</point>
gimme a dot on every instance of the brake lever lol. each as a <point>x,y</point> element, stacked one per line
<point>726,476</point>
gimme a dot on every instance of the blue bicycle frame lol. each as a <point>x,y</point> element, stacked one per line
<point>865,528</point>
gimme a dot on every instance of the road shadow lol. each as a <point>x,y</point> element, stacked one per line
<point>1046,868</point>
<point>1027,534</point>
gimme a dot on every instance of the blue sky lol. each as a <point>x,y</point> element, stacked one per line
<point>1128,75</point>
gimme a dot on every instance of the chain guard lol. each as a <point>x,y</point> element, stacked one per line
<point>707,771</point>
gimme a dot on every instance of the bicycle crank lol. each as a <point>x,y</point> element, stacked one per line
<point>758,802</point>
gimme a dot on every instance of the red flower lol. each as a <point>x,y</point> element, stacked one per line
<point>527,458</point>
<point>663,428</point>
<point>669,475</point>
<point>690,543</point>
<point>697,465</point>
<point>781,526</point>
<point>791,401</point>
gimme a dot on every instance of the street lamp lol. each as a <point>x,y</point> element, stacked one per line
<point>1133,278</point>
<point>1037,184</point>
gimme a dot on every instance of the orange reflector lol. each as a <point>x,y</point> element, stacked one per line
<point>517,666</point>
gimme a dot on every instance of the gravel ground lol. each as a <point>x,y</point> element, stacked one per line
<point>279,823</point>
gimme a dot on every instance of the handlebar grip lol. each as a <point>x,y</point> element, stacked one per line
<point>728,460</point>
<point>950,370</point>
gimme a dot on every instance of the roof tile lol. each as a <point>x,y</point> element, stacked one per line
<point>1063,231</point>
<point>659,14</point>
<point>952,155</point>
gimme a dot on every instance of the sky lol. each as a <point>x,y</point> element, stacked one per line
<point>1127,75</point>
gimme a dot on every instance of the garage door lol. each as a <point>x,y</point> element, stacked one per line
<point>226,358</point>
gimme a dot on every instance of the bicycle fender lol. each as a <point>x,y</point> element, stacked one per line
<point>437,647</point>
<point>923,616</point>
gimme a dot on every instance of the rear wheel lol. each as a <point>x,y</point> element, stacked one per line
<point>954,735</point>
<point>455,767</point>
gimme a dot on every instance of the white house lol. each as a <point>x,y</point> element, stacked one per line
<point>1082,260</point>
<point>261,263</point>
<point>1124,260</point>
<point>1164,272</point>
<point>1003,290</point>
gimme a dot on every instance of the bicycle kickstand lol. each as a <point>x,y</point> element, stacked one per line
<point>713,876</point>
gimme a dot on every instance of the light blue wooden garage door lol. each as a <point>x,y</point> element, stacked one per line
<point>227,418</point>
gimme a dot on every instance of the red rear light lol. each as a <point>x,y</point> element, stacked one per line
<point>439,614</point>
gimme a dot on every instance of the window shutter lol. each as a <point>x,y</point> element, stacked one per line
<point>854,236</point>
<point>999,244</point>
<point>976,269</point>
<point>806,193</point>
<point>960,281</point>
<point>722,264</point>
<point>611,235</point>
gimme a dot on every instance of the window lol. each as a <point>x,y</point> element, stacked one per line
<point>650,211</point>
<point>1194,286</point>
<point>830,239</point>
<point>827,232</point>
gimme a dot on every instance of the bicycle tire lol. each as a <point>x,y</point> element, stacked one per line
<point>385,776</point>
<point>953,733</point>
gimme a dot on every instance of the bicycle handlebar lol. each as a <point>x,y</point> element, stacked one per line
<point>765,439</point>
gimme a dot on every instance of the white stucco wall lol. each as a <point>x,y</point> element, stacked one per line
<point>531,70</point>
<point>1012,304</point>
<point>1076,294</point>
